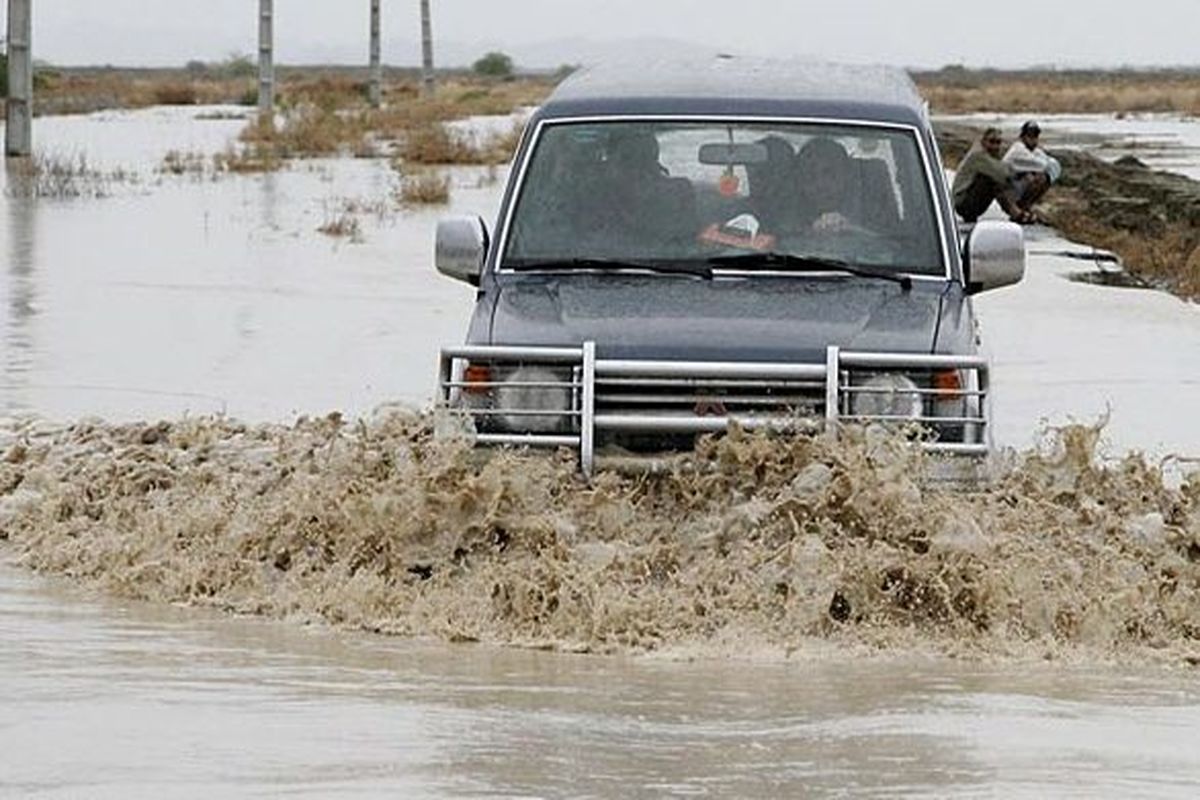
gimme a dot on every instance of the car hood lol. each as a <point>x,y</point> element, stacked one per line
<point>743,319</point>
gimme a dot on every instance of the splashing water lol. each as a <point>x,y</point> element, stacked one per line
<point>756,543</point>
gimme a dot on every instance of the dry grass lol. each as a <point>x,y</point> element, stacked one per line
<point>84,91</point>
<point>247,159</point>
<point>327,118</point>
<point>342,226</point>
<point>425,187</point>
<point>193,164</point>
<point>176,94</point>
<point>380,208</point>
<point>953,91</point>
<point>309,130</point>
<point>61,177</point>
<point>434,143</point>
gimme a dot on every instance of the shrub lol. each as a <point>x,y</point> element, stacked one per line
<point>175,94</point>
<point>425,188</point>
<point>343,225</point>
<point>494,65</point>
<point>238,65</point>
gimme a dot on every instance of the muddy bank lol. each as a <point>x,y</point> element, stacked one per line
<point>1151,219</point>
<point>766,543</point>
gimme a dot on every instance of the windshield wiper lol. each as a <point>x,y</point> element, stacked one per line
<point>789,261</point>
<point>698,270</point>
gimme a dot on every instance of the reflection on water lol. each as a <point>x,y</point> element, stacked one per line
<point>20,297</point>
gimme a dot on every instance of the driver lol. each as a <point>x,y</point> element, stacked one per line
<point>644,206</point>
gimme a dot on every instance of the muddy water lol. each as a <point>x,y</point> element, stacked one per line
<point>103,699</point>
<point>746,633</point>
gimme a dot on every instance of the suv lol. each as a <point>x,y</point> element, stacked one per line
<point>684,247</point>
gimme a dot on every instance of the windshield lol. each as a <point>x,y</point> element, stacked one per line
<point>684,192</point>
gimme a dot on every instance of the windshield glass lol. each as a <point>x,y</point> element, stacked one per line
<point>691,191</point>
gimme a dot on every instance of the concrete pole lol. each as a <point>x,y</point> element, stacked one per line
<point>266,60</point>
<point>376,88</point>
<point>18,130</point>
<point>426,50</point>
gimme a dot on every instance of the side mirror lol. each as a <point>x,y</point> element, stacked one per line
<point>995,256</point>
<point>460,248</point>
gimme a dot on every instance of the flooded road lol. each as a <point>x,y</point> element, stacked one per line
<point>222,297</point>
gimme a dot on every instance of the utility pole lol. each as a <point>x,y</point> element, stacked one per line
<point>266,60</point>
<point>18,130</point>
<point>376,88</point>
<point>426,51</point>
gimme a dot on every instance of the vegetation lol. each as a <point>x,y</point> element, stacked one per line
<point>343,225</point>
<point>494,65</point>
<point>435,143</point>
<point>955,89</point>
<point>177,162</point>
<point>61,177</point>
<point>425,187</point>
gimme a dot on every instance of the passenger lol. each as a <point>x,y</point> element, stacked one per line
<point>824,173</point>
<point>983,177</point>
<point>772,184</point>
<point>1035,168</point>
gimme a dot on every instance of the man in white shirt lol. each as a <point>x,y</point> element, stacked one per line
<point>1033,168</point>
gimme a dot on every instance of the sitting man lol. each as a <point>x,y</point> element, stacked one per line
<point>983,177</point>
<point>643,207</point>
<point>1035,168</point>
<point>825,176</point>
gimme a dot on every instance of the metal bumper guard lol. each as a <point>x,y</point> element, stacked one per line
<point>580,418</point>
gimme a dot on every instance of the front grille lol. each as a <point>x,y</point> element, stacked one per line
<point>547,396</point>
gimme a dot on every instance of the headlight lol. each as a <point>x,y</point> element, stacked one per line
<point>526,390</point>
<point>887,395</point>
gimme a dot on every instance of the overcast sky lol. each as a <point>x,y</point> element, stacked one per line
<point>548,32</point>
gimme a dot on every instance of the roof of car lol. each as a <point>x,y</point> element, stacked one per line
<point>739,85</point>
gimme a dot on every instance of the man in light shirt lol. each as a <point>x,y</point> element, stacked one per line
<point>1033,168</point>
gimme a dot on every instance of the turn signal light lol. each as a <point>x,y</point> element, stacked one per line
<point>477,377</point>
<point>947,381</point>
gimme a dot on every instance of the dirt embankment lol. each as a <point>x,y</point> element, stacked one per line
<point>1150,219</point>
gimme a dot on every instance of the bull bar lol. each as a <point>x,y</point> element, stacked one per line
<point>829,383</point>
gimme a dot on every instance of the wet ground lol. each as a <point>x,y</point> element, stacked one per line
<point>223,297</point>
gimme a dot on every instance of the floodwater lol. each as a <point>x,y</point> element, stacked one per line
<point>110,700</point>
<point>180,295</point>
<point>183,295</point>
